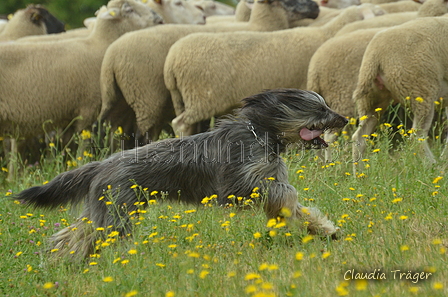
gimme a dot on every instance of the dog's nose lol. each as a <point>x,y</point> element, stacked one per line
<point>345,121</point>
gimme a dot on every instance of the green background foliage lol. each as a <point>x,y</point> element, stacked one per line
<point>71,12</point>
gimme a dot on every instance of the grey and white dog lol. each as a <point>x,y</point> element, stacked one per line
<point>242,152</point>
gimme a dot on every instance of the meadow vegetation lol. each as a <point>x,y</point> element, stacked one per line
<point>393,215</point>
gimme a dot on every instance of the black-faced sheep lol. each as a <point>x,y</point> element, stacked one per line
<point>405,64</point>
<point>132,72</point>
<point>58,82</point>
<point>33,20</point>
<point>247,64</point>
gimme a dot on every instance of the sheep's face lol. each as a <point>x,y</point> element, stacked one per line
<point>300,9</point>
<point>131,15</point>
<point>52,24</point>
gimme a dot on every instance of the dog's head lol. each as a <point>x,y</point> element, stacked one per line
<point>292,115</point>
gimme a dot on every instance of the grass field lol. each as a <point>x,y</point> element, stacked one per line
<point>393,215</point>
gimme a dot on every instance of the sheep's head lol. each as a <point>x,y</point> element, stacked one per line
<point>300,9</point>
<point>40,14</point>
<point>130,15</point>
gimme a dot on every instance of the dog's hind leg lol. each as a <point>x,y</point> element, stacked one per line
<point>282,199</point>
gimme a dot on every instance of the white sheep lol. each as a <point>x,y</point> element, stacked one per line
<point>177,11</point>
<point>202,87</point>
<point>428,8</point>
<point>405,64</point>
<point>33,20</point>
<point>59,81</point>
<point>333,73</point>
<point>334,67</point>
<point>132,71</point>
<point>211,7</point>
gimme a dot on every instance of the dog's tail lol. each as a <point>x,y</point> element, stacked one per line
<point>68,187</point>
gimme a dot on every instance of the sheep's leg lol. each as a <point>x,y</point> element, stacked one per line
<point>422,121</point>
<point>13,157</point>
<point>282,201</point>
<point>329,138</point>
<point>366,127</point>
<point>445,150</point>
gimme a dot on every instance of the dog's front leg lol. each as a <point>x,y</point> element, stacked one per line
<point>283,196</point>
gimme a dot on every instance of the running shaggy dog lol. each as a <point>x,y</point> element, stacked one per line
<point>241,153</point>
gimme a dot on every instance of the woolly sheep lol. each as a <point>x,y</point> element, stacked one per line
<point>428,8</point>
<point>33,20</point>
<point>211,7</point>
<point>59,82</point>
<point>333,73</point>
<point>132,71</point>
<point>247,64</point>
<point>334,68</point>
<point>177,11</point>
<point>409,61</point>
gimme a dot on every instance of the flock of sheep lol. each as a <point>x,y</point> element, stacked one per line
<point>188,61</point>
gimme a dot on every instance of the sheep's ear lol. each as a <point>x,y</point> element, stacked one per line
<point>111,13</point>
<point>101,10</point>
<point>159,1</point>
<point>36,17</point>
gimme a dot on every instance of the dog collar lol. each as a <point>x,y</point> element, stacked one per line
<point>263,143</point>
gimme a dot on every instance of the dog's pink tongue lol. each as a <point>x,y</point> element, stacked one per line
<point>308,135</point>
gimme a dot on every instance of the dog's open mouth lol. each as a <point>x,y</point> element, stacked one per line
<point>313,136</point>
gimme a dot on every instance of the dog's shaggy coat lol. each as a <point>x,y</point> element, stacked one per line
<point>234,158</point>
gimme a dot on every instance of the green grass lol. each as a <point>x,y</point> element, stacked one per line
<point>394,217</point>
